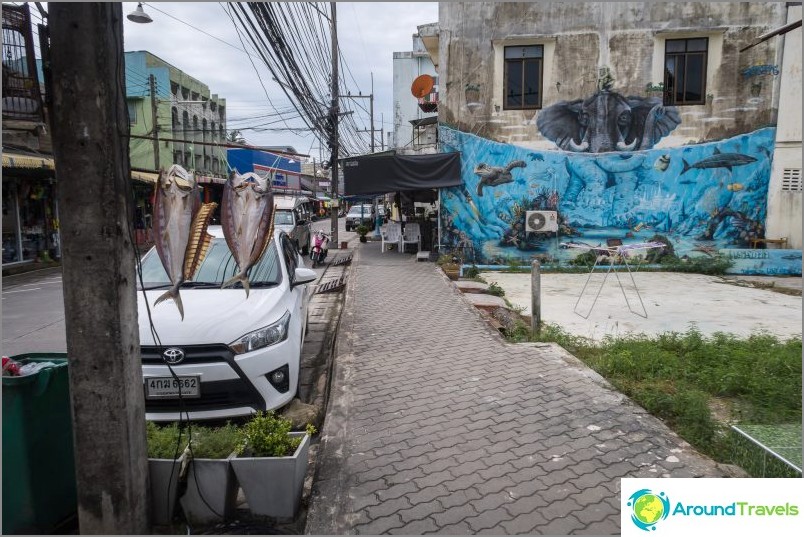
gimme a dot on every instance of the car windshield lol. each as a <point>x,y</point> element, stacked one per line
<point>283,218</point>
<point>356,211</point>
<point>218,266</point>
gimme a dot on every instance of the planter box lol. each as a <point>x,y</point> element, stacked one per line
<point>273,485</point>
<point>217,499</point>
<point>164,488</point>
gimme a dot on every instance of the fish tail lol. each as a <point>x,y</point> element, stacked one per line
<point>687,167</point>
<point>172,293</point>
<point>242,278</point>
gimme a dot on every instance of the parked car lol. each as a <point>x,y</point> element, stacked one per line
<point>293,216</point>
<point>360,214</point>
<point>232,354</point>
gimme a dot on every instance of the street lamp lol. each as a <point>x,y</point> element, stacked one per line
<point>139,15</point>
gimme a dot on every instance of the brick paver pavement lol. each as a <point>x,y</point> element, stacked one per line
<point>437,425</point>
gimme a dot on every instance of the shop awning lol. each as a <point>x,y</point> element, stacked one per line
<point>145,177</point>
<point>14,160</point>
<point>381,174</point>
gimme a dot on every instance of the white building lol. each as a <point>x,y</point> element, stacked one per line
<point>407,67</point>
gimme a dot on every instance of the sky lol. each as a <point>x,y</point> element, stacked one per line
<point>368,35</point>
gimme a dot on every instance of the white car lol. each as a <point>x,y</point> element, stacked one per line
<point>231,355</point>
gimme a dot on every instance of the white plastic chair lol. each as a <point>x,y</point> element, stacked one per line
<point>391,234</point>
<point>412,235</point>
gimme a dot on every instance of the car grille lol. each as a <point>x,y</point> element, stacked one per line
<point>221,394</point>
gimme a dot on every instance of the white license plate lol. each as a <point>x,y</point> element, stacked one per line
<point>168,387</point>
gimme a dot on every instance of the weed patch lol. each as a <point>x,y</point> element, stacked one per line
<point>676,376</point>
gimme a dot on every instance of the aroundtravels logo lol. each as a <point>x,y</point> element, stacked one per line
<point>648,508</point>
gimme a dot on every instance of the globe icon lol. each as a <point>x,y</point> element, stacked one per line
<point>648,509</point>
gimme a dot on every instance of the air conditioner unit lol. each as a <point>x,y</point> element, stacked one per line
<point>541,221</point>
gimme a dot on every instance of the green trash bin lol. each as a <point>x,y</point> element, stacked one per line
<point>38,466</point>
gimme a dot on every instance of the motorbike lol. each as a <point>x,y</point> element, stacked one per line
<point>318,250</point>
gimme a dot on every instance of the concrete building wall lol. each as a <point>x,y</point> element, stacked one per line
<point>407,66</point>
<point>581,37</point>
<point>784,197</point>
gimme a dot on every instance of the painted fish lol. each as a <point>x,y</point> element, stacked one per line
<point>535,156</point>
<point>735,187</point>
<point>247,218</point>
<point>181,239</point>
<point>719,160</point>
<point>662,163</point>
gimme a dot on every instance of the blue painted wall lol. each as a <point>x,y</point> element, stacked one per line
<point>701,197</point>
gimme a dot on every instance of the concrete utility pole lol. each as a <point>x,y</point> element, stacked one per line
<point>536,297</point>
<point>152,83</point>
<point>333,112</point>
<point>90,147</point>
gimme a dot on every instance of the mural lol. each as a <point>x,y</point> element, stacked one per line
<point>703,197</point>
<point>607,121</point>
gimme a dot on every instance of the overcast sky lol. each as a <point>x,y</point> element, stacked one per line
<point>368,34</point>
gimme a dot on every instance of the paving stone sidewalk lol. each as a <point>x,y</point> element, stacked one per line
<point>437,425</point>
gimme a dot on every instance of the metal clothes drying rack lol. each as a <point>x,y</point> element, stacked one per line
<point>611,252</point>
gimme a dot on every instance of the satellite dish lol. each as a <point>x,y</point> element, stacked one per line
<point>422,86</point>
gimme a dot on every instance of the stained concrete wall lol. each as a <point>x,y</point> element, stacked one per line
<point>627,37</point>
<point>784,206</point>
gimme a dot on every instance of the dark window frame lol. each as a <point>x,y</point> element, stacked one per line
<point>669,97</point>
<point>506,65</point>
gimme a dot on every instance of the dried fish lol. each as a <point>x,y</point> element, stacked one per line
<point>248,224</point>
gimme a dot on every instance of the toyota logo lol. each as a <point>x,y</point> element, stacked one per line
<point>173,355</point>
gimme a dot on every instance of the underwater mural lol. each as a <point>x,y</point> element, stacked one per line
<point>703,197</point>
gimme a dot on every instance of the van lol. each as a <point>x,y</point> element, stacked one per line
<point>293,215</point>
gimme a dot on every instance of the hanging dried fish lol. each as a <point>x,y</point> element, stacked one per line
<point>181,239</point>
<point>247,217</point>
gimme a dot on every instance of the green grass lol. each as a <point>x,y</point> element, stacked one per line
<point>678,376</point>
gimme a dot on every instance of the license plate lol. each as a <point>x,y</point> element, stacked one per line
<point>168,387</point>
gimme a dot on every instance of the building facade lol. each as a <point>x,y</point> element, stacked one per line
<point>283,170</point>
<point>30,208</point>
<point>623,121</point>
<point>409,110</point>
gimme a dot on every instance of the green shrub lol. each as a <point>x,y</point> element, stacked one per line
<point>215,442</point>
<point>715,265</point>
<point>472,272</point>
<point>267,435</point>
<point>165,442</point>
<point>362,230</point>
<point>495,290</point>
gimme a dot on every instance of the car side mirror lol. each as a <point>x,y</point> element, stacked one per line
<point>303,275</point>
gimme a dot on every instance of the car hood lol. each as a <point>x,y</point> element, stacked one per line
<point>210,315</point>
<point>287,228</point>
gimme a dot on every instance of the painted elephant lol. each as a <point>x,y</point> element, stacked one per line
<point>607,121</point>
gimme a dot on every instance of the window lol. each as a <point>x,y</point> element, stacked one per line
<point>685,71</point>
<point>132,113</point>
<point>523,77</point>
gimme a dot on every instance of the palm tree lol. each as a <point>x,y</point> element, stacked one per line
<point>235,137</point>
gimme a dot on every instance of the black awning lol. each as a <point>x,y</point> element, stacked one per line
<point>380,174</point>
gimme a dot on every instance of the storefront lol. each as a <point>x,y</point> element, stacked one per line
<point>30,210</point>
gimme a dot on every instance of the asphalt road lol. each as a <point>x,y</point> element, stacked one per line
<point>33,306</point>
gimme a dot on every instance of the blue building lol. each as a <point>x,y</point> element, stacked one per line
<point>284,170</point>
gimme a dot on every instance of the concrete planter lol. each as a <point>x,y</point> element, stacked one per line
<point>273,485</point>
<point>211,494</point>
<point>164,488</point>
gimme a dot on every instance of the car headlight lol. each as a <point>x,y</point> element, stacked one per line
<point>264,337</point>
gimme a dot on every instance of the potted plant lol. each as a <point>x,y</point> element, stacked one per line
<point>271,464</point>
<point>211,493</point>
<point>362,230</point>
<point>451,265</point>
<point>166,456</point>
